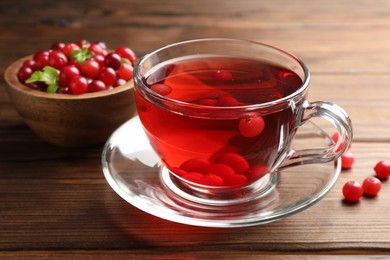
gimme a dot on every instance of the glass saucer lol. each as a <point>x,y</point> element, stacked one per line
<point>134,171</point>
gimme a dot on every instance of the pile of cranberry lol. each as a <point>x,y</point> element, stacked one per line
<point>77,68</point>
<point>353,190</point>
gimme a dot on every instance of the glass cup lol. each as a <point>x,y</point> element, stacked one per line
<point>222,114</point>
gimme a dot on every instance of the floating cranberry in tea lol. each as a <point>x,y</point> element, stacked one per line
<point>211,180</point>
<point>195,165</point>
<point>161,89</point>
<point>207,102</point>
<point>223,75</point>
<point>236,180</point>
<point>227,101</point>
<point>251,126</point>
<point>221,170</point>
<point>236,161</point>
<point>193,177</point>
<point>256,172</point>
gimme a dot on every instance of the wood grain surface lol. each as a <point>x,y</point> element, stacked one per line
<point>55,202</point>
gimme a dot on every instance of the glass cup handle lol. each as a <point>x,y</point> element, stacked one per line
<point>338,118</point>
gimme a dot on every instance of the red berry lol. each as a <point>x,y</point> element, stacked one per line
<point>57,59</point>
<point>120,82</point>
<point>161,89</point>
<point>352,191</point>
<point>63,90</point>
<point>78,85</point>
<point>211,180</point>
<point>193,176</point>
<point>347,160</point>
<point>251,126</point>
<point>227,101</point>
<point>335,137</point>
<point>97,49</point>
<point>82,43</point>
<point>223,75</point>
<point>382,170</point>
<point>125,71</point>
<point>195,165</point>
<point>126,53</point>
<point>57,46</point>
<point>41,59</point>
<point>99,59</point>
<point>67,74</point>
<point>236,161</point>
<point>24,73</point>
<point>256,172</point>
<point>29,63</point>
<point>90,68</point>
<point>371,186</point>
<point>236,180</point>
<point>113,60</point>
<point>207,102</point>
<point>179,172</point>
<point>221,170</point>
<point>69,48</point>
<point>96,86</point>
<point>108,76</point>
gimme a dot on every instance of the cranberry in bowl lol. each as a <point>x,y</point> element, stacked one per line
<point>73,94</point>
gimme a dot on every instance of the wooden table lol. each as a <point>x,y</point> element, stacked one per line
<point>55,202</point>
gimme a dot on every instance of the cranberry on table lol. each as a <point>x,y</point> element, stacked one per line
<point>347,160</point>
<point>371,186</point>
<point>335,138</point>
<point>195,165</point>
<point>382,170</point>
<point>352,191</point>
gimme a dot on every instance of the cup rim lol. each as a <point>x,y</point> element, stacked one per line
<point>139,83</point>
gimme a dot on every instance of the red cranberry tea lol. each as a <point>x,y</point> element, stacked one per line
<point>205,141</point>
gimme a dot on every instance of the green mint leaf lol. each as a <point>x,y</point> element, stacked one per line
<point>48,74</point>
<point>36,76</point>
<point>124,60</point>
<point>81,55</point>
<point>52,88</point>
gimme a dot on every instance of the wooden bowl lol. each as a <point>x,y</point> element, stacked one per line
<point>70,120</point>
